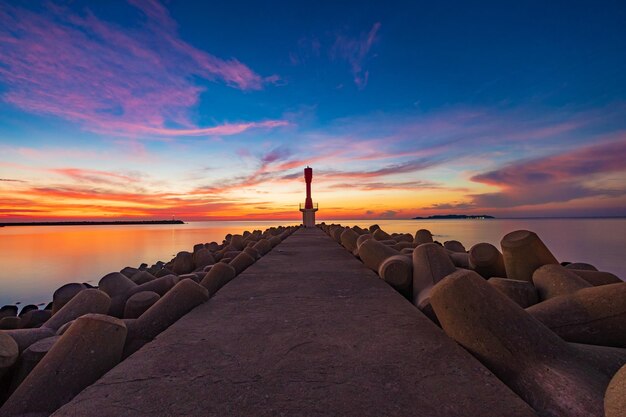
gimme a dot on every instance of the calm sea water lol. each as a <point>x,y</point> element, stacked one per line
<point>34,261</point>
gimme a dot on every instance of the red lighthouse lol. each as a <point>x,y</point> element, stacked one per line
<point>308,212</point>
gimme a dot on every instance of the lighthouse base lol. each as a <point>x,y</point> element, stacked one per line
<point>308,217</point>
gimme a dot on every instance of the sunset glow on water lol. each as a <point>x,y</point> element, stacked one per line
<point>37,260</point>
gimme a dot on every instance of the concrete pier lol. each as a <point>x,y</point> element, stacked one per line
<point>307,330</point>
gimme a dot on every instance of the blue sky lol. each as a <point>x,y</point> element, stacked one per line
<point>402,108</point>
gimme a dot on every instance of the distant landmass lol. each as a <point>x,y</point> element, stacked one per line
<point>94,223</point>
<point>454,216</point>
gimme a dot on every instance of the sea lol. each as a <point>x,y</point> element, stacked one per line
<point>36,260</point>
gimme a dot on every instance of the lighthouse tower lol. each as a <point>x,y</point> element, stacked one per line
<point>308,211</point>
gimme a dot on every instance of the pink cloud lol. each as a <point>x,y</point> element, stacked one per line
<point>93,175</point>
<point>355,51</point>
<point>226,129</point>
<point>585,161</point>
<point>556,178</point>
<point>128,81</point>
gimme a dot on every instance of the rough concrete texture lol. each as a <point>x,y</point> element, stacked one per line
<point>548,373</point>
<point>64,294</point>
<point>615,398</point>
<point>553,280</point>
<point>306,330</point>
<point>522,292</point>
<point>8,352</point>
<point>91,346</point>
<point>595,315</point>
<point>523,253</point>
<point>486,260</point>
<point>597,278</point>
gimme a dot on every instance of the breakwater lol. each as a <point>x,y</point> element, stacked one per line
<point>311,328</point>
<point>555,334</point>
<point>48,356</point>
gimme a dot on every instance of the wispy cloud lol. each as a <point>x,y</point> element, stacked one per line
<point>110,79</point>
<point>356,51</point>
<point>557,178</point>
<point>94,176</point>
<point>388,185</point>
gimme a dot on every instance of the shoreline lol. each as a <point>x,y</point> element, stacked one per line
<point>94,223</point>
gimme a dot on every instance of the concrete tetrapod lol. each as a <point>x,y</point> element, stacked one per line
<point>486,260</point>
<point>30,358</point>
<point>26,337</point>
<point>115,283</point>
<point>373,253</point>
<point>380,234</point>
<point>180,300</point>
<point>597,277</point>
<point>8,311</point>
<point>236,241</point>
<point>523,253</point>
<point>35,318</point>
<point>403,237</point>
<point>423,236</point>
<point>91,347</point>
<point>183,263</point>
<point>615,397</point>
<point>217,277</point>
<point>86,301</point>
<point>64,294</point>
<point>274,241</point>
<point>595,315</point>
<point>10,323</point>
<point>262,246</point>
<point>335,233</point>
<point>202,258</point>
<point>533,361</point>
<point>403,245</point>
<point>553,280</point>
<point>522,292</point>
<point>160,286</point>
<point>348,239</point>
<point>460,259</point>
<point>129,271</point>
<point>141,277</point>
<point>431,264</point>
<point>397,271</point>
<point>117,286</point>
<point>581,266</point>
<point>606,359</point>
<point>8,352</point>
<point>360,240</point>
<point>138,303</point>
<point>454,246</point>
<point>241,262</point>
<point>252,252</point>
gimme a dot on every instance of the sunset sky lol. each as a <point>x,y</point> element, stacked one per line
<point>147,109</point>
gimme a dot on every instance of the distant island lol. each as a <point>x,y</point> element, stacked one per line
<point>454,216</point>
<point>94,223</point>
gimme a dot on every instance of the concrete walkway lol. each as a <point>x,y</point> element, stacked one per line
<point>305,331</point>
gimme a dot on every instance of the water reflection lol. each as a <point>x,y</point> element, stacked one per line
<point>34,261</point>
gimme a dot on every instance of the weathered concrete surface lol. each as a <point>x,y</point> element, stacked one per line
<point>307,330</point>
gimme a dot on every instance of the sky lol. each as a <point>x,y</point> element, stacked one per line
<point>158,109</point>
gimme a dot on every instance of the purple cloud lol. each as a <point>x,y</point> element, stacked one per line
<point>130,81</point>
<point>277,154</point>
<point>356,51</point>
<point>556,178</point>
